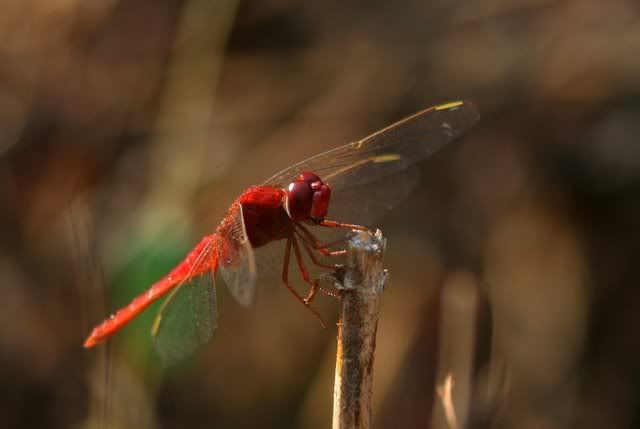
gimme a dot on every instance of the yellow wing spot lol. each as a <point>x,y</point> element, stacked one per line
<point>451,105</point>
<point>389,157</point>
<point>156,325</point>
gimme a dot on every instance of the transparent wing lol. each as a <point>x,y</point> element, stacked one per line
<point>388,151</point>
<point>365,203</point>
<point>236,258</point>
<point>270,259</point>
<point>187,319</point>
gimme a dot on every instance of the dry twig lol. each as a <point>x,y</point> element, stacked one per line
<point>364,280</point>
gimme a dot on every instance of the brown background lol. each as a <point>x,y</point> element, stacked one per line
<point>127,127</point>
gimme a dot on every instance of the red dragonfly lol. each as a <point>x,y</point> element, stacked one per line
<point>364,178</point>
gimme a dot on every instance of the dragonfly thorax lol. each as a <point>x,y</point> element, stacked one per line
<point>307,197</point>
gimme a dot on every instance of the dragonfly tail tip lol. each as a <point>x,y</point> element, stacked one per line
<point>91,341</point>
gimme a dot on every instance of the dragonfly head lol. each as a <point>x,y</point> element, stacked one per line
<point>307,198</point>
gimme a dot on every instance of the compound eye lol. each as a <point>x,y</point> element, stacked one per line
<point>310,178</point>
<point>320,204</point>
<point>299,197</point>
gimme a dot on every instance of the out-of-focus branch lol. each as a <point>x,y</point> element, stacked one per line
<point>445,393</point>
<point>363,283</point>
<point>183,125</point>
<point>458,325</point>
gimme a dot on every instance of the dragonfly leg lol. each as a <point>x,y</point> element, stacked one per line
<point>317,244</point>
<point>323,248</point>
<point>304,273</point>
<point>285,278</point>
<point>308,247</point>
<point>334,224</point>
<point>315,285</point>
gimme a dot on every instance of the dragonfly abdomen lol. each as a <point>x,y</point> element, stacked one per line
<point>203,258</point>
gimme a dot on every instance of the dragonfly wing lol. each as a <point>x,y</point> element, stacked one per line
<point>236,258</point>
<point>390,150</point>
<point>187,319</point>
<point>381,196</point>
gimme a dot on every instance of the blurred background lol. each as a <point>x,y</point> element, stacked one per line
<point>127,128</point>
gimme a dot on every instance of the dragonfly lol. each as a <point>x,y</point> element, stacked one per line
<point>362,179</point>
